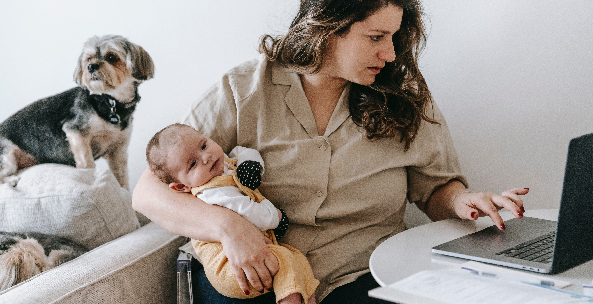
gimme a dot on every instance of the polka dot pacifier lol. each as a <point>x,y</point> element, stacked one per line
<point>249,174</point>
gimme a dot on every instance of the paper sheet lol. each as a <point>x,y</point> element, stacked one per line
<point>515,273</point>
<point>457,286</point>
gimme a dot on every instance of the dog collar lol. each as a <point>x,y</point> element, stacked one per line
<point>110,109</point>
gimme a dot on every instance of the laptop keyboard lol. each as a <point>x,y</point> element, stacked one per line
<point>537,250</point>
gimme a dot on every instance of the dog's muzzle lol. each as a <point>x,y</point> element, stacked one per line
<point>92,67</point>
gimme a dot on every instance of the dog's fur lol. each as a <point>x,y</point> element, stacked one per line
<point>84,123</point>
<point>24,255</point>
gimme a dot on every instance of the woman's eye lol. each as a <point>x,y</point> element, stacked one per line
<point>376,38</point>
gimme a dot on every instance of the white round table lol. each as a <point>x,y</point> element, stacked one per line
<point>409,252</point>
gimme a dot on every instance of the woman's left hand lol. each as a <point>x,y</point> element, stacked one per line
<point>471,206</point>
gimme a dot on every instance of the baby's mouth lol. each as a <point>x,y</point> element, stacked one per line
<point>215,165</point>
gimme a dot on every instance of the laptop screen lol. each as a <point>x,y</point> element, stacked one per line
<point>574,238</point>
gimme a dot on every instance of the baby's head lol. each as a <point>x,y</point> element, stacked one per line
<point>184,158</point>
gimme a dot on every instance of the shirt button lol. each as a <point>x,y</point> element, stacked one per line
<point>319,193</point>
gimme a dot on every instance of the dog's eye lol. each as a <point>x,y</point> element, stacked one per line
<point>111,58</point>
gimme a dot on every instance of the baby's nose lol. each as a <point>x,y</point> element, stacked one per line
<point>206,158</point>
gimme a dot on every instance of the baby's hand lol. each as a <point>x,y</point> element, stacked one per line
<point>249,174</point>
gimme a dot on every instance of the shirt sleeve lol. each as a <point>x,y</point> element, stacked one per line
<point>215,115</point>
<point>215,112</point>
<point>437,159</point>
<point>263,215</point>
<point>242,154</point>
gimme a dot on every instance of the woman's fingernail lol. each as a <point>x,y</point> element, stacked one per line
<point>502,227</point>
<point>522,210</point>
<point>473,215</point>
<point>526,189</point>
<point>246,292</point>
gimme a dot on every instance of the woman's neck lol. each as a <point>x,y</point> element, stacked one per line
<point>323,94</point>
<point>323,84</point>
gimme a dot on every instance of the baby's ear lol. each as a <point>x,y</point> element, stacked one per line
<point>179,187</point>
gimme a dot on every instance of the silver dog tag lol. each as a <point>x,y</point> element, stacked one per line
<point>113,117</point>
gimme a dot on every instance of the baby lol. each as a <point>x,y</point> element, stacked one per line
<point>189,161</point>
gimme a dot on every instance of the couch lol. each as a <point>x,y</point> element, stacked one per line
<point>131,259</point>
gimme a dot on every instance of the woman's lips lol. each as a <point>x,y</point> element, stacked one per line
<point>375,70</point>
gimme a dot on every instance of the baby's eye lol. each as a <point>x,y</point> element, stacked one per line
<point>204,147</point>
<point>193,164</point>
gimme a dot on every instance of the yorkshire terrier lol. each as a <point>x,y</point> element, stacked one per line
<point>24,255</point>
<point>80,125</point>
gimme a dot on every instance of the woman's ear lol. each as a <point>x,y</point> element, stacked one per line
<point>179,187</point>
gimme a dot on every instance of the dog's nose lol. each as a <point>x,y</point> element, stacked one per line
<point>92,67</point>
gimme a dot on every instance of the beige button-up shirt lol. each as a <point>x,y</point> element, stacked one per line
<point>344,194</point>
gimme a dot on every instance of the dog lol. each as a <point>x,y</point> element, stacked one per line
<point>24,255</point>
<point>78,126</point>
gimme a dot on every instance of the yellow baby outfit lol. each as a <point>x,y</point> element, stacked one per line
<point>295,274</point>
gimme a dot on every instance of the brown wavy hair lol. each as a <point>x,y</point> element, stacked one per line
<point>396,102</point>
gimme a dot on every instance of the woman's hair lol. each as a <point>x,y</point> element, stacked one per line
<point>395,103</point>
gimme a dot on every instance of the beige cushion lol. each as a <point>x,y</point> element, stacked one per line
<point>85,205</point>
<point>139,267</point>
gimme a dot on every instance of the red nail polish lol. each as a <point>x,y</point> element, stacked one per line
<point>246,292</point>
<point>522,210</point>
<point>502,227</point>
<point>474,215</point>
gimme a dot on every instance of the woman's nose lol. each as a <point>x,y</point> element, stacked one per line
<point>387,53</point>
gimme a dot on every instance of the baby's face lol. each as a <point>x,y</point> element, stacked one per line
<point>196,160</point>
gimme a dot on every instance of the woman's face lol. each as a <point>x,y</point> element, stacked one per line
<point>359,55</point>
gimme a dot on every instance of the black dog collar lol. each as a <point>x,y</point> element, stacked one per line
<point>110,109</point>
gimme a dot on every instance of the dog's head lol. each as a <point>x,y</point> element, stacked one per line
<point>113,65</point>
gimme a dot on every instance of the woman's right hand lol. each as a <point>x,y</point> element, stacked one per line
<point>250,258</point>
<point>184,214</point>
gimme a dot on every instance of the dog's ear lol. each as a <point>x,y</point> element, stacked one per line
<point>142,66</point>
<point>78,71</point>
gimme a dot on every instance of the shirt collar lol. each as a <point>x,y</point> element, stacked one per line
<point>296,101</point>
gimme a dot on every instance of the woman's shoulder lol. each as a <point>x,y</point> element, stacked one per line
<point>250,66</point>
<point>246,77</point>
<point>256,74</point>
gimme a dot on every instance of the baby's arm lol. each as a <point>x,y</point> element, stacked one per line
<point>263,215</point>
<point>242,154</point>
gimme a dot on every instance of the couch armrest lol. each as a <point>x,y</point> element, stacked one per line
<point>139,267</point>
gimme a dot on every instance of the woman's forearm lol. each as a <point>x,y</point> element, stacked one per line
<point>439,205</point>
<point>182,213</point>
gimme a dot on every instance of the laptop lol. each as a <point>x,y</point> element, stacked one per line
<point>541,245</point>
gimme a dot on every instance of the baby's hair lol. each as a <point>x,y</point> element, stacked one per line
<point>159,146</point>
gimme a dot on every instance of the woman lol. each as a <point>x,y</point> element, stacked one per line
<point>348,130</point>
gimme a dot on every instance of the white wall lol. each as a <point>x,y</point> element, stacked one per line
<point>513,77</point>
